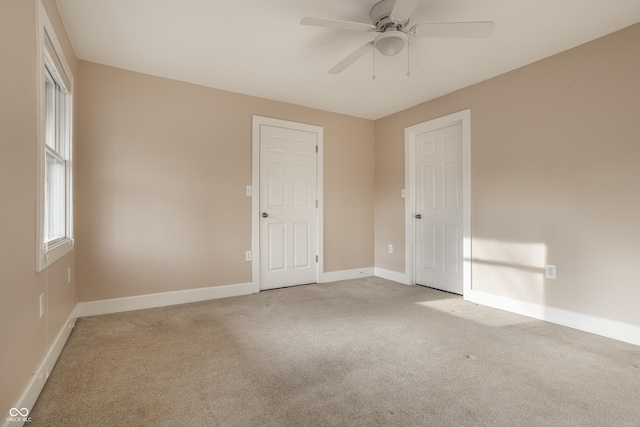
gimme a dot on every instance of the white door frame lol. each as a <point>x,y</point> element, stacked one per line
<point>259,121</point>
<point>463,117</point>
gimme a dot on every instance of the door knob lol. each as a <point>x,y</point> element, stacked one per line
<point>418,216</point>
<point>264,214</point>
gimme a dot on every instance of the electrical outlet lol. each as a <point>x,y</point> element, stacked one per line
<point>247,256</point>
<point>390,249</point>
<point>248,191</point>
<point>41,304</point>
<point>550,271</point>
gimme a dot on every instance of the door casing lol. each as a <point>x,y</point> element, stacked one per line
<point>259,121</point>
<point>464,118</point>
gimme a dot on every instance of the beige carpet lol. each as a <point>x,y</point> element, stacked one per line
<point>366,352</point>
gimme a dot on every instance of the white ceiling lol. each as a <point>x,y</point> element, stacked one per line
<point>259,48</point>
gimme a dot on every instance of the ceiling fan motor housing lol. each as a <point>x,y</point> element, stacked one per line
<point>381,17</point>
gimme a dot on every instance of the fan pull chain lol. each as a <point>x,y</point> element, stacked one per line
<point>374,62</point>
<point>408,61</point>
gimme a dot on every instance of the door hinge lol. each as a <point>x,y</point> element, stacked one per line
<point>316,258</point>
<point>316,148</point>
<point>316,203</point>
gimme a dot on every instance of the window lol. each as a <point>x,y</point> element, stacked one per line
<point>55,213</point>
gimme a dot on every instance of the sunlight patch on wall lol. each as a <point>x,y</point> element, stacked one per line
<point>512,269</point>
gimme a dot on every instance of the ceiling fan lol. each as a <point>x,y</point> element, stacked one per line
<point>390,19</point>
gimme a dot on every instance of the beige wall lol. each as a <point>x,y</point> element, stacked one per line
<point>24,336</point>
<point>161,173</point>
<point>555,178</point>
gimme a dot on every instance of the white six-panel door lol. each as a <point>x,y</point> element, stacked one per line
<point>288,211</point>
<point>438,209</point>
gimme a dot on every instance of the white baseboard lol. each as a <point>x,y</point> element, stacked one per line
<point>596,325</point>
<point>394,276</point>
<point>140,302</point>
<point>334,276</point>
<point>39,378</point>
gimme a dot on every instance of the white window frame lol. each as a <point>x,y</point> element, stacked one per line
<point>51,55</point>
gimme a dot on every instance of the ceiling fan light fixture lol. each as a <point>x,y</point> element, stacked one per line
<point>391,43</point>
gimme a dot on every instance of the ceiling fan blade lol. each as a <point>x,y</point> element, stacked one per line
<point>351,58</point>
<point>334,23</point>
<point>454,29</point>
<point>403,9</point>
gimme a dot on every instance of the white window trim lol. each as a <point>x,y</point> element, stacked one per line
<point>48,254</point>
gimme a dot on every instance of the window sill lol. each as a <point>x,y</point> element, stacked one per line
<point>54,253</point>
